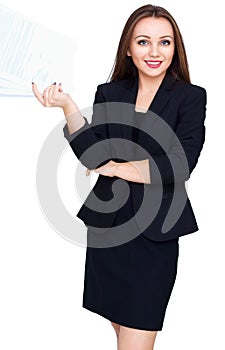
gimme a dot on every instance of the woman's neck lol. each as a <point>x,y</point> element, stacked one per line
<point>149,84</point>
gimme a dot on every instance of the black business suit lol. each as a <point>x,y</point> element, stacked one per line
<point>181,106</point>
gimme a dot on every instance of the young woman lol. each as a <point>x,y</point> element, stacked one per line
<point>130,284</point>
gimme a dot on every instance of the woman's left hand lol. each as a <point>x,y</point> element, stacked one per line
<point>109,169</point>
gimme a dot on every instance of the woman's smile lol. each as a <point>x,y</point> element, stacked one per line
<point>153,64</point>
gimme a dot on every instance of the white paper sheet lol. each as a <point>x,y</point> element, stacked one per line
<point>30,52</point>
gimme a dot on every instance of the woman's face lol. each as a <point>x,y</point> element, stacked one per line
<point>152,46</point>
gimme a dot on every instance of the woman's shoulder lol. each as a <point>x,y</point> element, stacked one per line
<point>189,88</point>
<point>111,85</point>
<point>189,94</point>
<point>113,90</point>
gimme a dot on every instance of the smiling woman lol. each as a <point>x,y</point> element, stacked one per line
<point>130,284</point>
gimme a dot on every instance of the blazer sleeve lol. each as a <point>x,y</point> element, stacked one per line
<point>94,134</point>
<point>178,164</point>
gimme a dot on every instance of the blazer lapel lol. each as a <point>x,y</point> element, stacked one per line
<point>163,94</point>
<point>126,112</point>
<point>161,97</point>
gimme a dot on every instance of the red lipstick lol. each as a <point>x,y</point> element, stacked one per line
<point>153,63</point>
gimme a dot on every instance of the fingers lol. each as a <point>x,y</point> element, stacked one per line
<point>60,87</point>
<point>37,93</point>
<point>49,94</point>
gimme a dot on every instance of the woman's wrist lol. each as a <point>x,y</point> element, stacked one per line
<point>73,116</point>
<point>69,107</point>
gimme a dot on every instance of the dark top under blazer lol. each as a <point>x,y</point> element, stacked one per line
<point>182,106</point>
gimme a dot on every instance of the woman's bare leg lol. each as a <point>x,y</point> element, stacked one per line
<point>116,327</point>
<point>136,339</point>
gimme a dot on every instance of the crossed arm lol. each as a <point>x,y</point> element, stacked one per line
<point>136,171</point>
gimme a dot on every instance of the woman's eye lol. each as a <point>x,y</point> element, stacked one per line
<point>142,42</point>
<point>165,42</point>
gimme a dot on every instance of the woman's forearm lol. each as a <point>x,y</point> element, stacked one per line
<point>73,116</point>
<point>136,171</point>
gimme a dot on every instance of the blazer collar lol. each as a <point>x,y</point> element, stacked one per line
<point>162,95</point>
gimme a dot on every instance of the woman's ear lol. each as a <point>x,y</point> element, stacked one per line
<point>128,53</point>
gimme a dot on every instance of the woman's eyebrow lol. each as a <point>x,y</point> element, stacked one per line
<point>146,36</point>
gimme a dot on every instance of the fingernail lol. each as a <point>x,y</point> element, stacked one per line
<point>60,83</point>
<point>54,83</point>
<point>32,82</point>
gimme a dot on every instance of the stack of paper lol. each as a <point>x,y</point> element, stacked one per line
<point>30,52</point>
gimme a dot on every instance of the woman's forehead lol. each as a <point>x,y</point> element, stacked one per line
<point>153,27</point>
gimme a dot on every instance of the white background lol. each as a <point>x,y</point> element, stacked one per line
<point>41,274</point>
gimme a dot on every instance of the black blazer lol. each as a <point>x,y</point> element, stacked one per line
<point>172,136</point>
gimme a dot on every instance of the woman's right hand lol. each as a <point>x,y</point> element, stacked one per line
<point>53,96</point>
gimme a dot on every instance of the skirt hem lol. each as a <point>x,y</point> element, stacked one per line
<point>111,319</point>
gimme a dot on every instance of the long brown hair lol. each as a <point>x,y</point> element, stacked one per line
<point>124,66</point>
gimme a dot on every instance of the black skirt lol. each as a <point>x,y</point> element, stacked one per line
<point>130,284</point>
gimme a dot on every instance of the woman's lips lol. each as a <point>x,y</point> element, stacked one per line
<point>153,64</point>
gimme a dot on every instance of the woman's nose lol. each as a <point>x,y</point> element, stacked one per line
<point>154,50</point>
